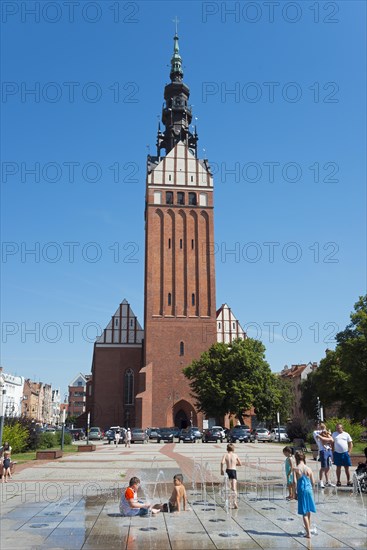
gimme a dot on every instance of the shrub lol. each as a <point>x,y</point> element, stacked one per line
<point>298,429</point>
<point>46,441</point>
<point>355,430</point>
<point>67,438</point>
<point>17,435</point>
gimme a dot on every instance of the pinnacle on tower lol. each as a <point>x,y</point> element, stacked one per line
<point>176,112</point>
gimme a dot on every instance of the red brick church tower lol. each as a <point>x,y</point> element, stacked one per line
<point>180,308</point>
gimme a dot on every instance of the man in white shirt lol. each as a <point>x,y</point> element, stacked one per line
<point>343,445</point>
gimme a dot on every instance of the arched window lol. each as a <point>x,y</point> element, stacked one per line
<point>192,199</point>
<point>182,348</point>
<point>129,387</point>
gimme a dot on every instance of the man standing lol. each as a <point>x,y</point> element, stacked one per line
<point>324,442</point>
<point>343,446</point>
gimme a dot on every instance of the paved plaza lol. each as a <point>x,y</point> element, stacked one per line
<point>72,502</point>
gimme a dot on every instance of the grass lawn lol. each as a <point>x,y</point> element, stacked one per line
<point>21,458</point>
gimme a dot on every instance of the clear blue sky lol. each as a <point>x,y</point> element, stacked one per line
<point>279,95</point>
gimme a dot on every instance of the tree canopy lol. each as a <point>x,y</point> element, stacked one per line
<point>342,375</point>
<point>232,378</point>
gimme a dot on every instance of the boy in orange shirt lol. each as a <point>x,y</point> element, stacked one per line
<point>129,504</point>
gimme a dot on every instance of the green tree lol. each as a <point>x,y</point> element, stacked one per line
<point>342,375</point>
<point>231,378</point>
<point>17,436</point>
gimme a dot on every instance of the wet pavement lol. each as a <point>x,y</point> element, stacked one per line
<point>72,503</point>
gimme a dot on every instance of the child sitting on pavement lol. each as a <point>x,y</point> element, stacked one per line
<point>178,496</point>
<point>129,504</point>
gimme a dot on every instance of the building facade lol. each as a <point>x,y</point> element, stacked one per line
<point>11,387</point>
<point>180,308</point>
<point>296,374</point>
<point>77,395</point>
<point>37,402</point>
<point>137,377</point>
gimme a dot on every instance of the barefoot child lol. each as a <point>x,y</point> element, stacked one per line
<point>231,461</point>
<point>289,465</point>
<point>129,504</point>
<point>178,496</point>
<point>6,467</point>
<point>305,481</point>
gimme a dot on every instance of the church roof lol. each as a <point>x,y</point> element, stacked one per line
<point>228,327</point>
<point>123,329</point>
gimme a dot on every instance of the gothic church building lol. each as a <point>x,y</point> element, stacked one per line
<point>137,377</point>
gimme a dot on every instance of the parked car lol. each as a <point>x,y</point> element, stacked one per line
<point>165,434</point>
<point>187,436</point>
<point>176,432</point>
<point>220,429</point>
<point>213,434</point>
<point>262,434</point>
<point>50,430</point>
<point>95,433</point>
<point>198,434</point>
<point>241,434</point>
<point>152,433</point>
<point>137,434</point>
<point>275,433</point>
<point>77,433</point>
<point>111,433</point>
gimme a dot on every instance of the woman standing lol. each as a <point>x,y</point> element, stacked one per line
<point>305,481</point>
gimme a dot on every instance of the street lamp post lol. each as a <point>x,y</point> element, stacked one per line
<point>278,420</point>
<point>88,424</point>
<point>2,393</point>
<point>63,429</point>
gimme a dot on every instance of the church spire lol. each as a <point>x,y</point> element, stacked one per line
<point>176,112</point>
<point>176,73</point>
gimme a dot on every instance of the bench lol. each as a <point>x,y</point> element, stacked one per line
<point>86,448</point>
<point>48,455</point>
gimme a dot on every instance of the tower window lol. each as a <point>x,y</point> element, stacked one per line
<point>169,177</point>
<point>157,197</point>
<point>219,325</point>
<point>180,198</point>
<point>182,348</point>
<point>169,197</point>
<point>169,243</point>
<point>192,199</point>
<point>192,179</point>
<point>203,199</point>
<point>169,299</point>
<point>192,244</point>
<point>180,243</point>
<point>129,387</point>
<point>192,299</point>
<point>116,322</point>
<point>131,322</point>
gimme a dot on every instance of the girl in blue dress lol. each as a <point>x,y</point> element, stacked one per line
<point>305,481</point>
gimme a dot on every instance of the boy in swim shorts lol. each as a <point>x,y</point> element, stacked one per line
<point>230,460</point>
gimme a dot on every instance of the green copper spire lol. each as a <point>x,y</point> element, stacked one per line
<point>176,62</point>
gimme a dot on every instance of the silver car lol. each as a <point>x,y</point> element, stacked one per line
<point>277,435</point>
<point>262,434</point>
<point>137,434</point>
